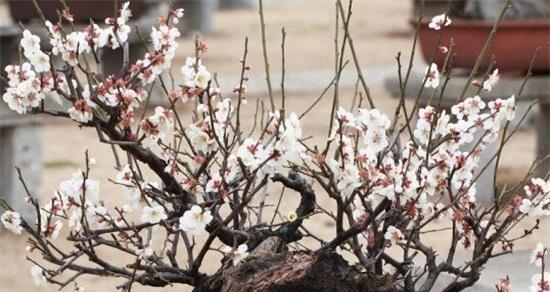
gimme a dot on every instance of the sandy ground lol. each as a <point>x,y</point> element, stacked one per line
<point>380,29</point>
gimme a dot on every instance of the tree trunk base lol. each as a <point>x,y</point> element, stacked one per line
<point>296,272</point>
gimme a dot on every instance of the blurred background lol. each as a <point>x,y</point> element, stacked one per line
<point>50,150</point>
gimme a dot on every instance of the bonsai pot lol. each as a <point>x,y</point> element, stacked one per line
<point>82,10</point>
<point>513,46</point>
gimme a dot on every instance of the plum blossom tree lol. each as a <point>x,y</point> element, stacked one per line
<point>391,181</point>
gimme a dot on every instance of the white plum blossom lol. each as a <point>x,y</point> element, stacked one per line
<point>116,34</point>
<point>525,206</point>
<point>439,21</point>
<point>348,178</point>
<point>14,103</point>
<point>442,126</point>
<point>160,125</point>
<point>28,90</point>
<point>223,110</point>
<point>155,62</point>
<point>249,152</point>
<point>428,127</point>
<point>237,255</point>
<point>82,110</point>
<point>125,14</point>
<point>101,215</point>
<point>537,187</point>
<point>195,76</point>
<point>73,44</point>
<point>55,229</point>
<point>195,220</point>
<point>504,285</point>
<point>459,110</point>
<point>540,283</point>
<point>491,81</point>
<point>432,76</point>
<point>125,175</point>
<point>164,36</point>
<point>153,214</point>
<point>38,276</point>
<point>40,61</point>
<point>12,221</point>
<point>134,195</point>
<point>30,43</point>
<point>345,118</point>
<point>31,49</point>
<point>192,65</point>
<point>75,188</point>
<point>423,130</point>
<point>504,108</point>
<point>394,235</point>
<point>202,78</point>
<point>116,92</point>
<point>75,220</point>
<point>473,105</point>
<point>24,91</point>
<point>538,254</point>
<point>215,183</point>
<point>373,125</point>
<point>200,138</point>
<point>376,140</point>
<point>288,147</point>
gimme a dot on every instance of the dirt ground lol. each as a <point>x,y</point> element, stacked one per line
<point>380,29</point>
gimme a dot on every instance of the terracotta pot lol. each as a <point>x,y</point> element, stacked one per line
<point>513,46</point>
<point>82,10</point>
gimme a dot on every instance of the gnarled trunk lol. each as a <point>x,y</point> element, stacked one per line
<point>267,270</point>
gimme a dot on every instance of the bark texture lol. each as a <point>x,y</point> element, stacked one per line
<point>269,270</point>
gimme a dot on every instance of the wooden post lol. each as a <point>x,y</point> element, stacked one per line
<point>20,146</point>
<point>198,17</point>
<point>543,138</point>
<point>112,59</point>
<point>20,139</point>
<point>8,49</point>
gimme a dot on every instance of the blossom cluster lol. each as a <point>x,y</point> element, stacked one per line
<point>432,165</point>
<point>536,202</point>
<point>160,125</point>
<point>28,89</point>
<point>71,46</point>
<point>164,50</point>
<point>31,49</point>
<point>34,82</point>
